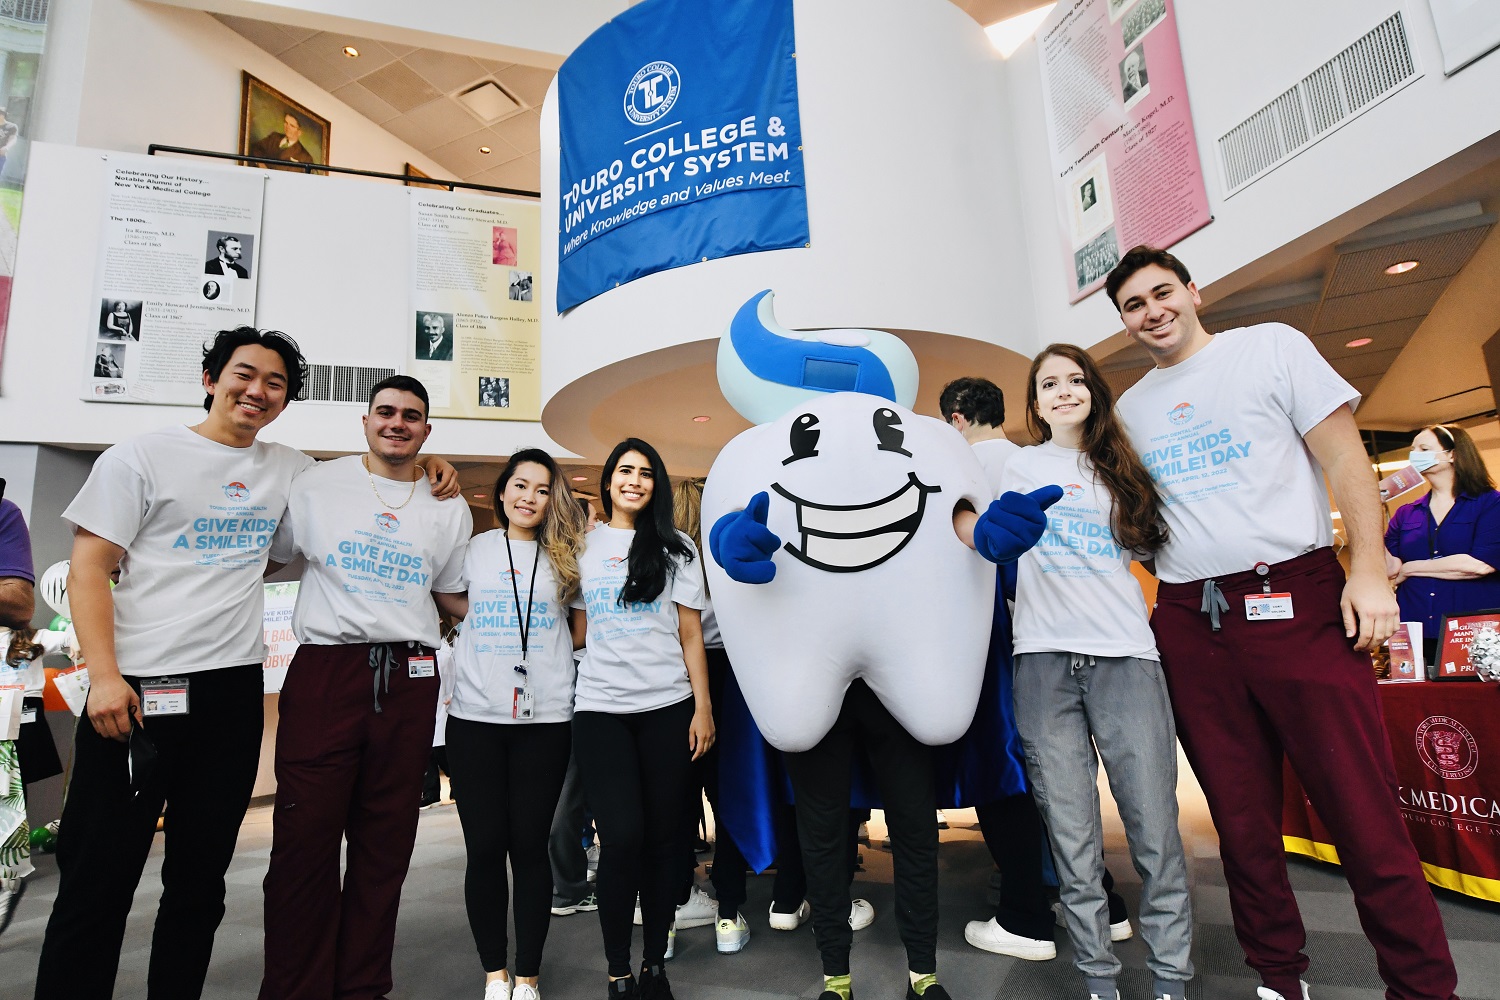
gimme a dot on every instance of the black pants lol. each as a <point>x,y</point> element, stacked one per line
<point>821,780</point>
<point>513,774</point>
<point>1013,832</point>
<point>204,774</point>
<point>432,781</point>
<point>635,771</point>
<point>570,862</point>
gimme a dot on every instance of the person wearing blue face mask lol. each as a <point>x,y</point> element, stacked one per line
<point>1444,548</point>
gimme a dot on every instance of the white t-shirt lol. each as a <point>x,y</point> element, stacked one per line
<point>993,454</point>
<point>35,673</point>
<point>633,661</point>
<point>1222,435</point>
<point>196,519</point>
<point>371,571</point>
<point>1074,589</point>
<point>489,645</point>
<point>712,637</point>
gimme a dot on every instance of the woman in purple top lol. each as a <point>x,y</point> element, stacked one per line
<point>1444,548</point>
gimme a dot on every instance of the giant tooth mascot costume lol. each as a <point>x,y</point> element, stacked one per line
<point>851,574</point>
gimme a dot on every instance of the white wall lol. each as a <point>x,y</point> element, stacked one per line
<point>1237,60</point>
<point>334,256</point>
<point>911,198</point>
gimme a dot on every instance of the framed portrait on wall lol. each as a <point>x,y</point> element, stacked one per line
<point>417,177</point>
<point>274,126</point>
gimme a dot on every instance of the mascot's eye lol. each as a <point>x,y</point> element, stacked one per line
<point>888,430</point>
<point>804,438</point>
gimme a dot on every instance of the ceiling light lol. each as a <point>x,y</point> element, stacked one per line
<point>351,52</point>
<point>701,419</point>
<point>1393,466</point>
<point>580,479</point>
<point>1359,342</point>
<point>1013,32</point>
<point>1403,267</point>
<point>485,150</point>
<point>480,496</point>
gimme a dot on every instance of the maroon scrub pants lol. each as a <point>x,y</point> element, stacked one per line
<point>1253,691</point>
<point>343,770</point>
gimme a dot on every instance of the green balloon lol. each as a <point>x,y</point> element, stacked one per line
<point>59,624</point>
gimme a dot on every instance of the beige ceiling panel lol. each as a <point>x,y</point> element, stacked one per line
<point>524,173</point>
<point>411,132</point>
<point>987,12</point>
<point>400,87</point>
<point>522,132</point>
<point>372,54</point>
<point>1383,306</point>
<point>461,157</point>
<point>274,38</point>
<point>492,67</point>
<point>366,103</point>
<point>1383,337</point>
<point>446,120</point>
<point>445,71</point>
<point>311,60</point>
<point>527,82</point>
<point>1299,317</point>
<point>1366,385</point>
<point>1362,364</point>
<point>1441,256</point>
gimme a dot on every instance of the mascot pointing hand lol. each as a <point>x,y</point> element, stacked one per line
<point>852,574</point>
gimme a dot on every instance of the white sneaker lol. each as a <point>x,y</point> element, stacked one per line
<point>732,935</point>
<point>1265,993</point>
<point>671,942</point>
<point>1095,996</point>
<point>1121,931</point>
<point>791,921</point>
<point>988,935</point>
<point>525,991</point>
<point>700,910</point>
<point>497,990</point>
<point>861,914</point>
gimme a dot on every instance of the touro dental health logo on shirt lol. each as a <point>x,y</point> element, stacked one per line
<point>614,562</point>
<point>1447,748</point>
<point>387,522</point>
<point>1181,413</point>
<point>652,92</point>
<point>1073,491</point>
<point>237,491</point>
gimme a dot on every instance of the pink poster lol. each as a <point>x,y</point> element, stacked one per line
<point>1124,156</point>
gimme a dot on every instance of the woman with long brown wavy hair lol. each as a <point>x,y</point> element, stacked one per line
<point>510,729</point>
<point>1088,679</point>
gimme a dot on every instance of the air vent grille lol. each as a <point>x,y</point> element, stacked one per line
<point>1349,84</point>
<point>344,383</point>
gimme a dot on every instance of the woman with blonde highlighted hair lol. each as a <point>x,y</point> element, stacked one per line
<point>510,729</point>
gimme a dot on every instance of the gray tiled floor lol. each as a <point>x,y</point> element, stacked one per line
<point>435,956</point>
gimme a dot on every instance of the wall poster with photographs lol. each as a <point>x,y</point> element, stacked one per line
<point>23,35</point>
<point>1124,154</point>
<point>474,334</point>
<point>178,260</point>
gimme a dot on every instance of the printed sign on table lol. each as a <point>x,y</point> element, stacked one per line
<point>281,600</point>
<point>681,142</point>
<point>1124,155</point>
<point>178,261</point>
<point>1453,649</point>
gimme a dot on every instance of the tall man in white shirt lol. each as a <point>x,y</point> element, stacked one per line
<point>382,555</point>
<point>1263,640</point>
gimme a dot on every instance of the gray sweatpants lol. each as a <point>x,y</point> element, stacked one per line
<point>1067,706</point>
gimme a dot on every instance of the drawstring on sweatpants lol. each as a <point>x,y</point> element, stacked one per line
<point>1076,660</point>
<point>1213,602</point>
<point>382,660</point>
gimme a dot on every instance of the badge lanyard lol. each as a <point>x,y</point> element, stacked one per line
<point>521,707</point>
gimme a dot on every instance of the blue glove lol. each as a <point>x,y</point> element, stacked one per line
<point>1012,524</point>
<point>742,544</point>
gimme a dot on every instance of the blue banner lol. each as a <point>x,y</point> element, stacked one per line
<point>680,142</point>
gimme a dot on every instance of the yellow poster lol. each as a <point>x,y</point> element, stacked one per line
<point>475,335</point>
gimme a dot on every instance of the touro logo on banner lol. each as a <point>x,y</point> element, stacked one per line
<point>681,142</point>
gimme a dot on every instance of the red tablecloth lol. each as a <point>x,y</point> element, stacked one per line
<point>1445,738</point>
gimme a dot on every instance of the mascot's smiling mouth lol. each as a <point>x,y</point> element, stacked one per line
<point>850,538</point>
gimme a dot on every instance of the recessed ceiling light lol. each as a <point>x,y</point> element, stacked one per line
<point>351,52</point>
<point>485,150</point>
<point>1359,342</point>
<point>1403,267</point>
<point>701,419</point>
<point>480,496</point>
<point>580,479</point>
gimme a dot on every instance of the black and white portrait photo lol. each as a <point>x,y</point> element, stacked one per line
<point>229,254</point>
<point>1133,81</point>
<point>434,336</point>
<point>494,391</point>
<point>109,361</point>
<point>119,320</point>
<point>520,286</point>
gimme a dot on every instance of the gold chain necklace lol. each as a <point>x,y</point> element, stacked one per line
<point>365,461</point>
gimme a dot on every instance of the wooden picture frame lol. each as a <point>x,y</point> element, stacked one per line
<point>267,120</point>
<point>420,178</point>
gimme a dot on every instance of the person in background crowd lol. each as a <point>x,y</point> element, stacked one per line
<point>642,712</point>
<point>510,720</point>
<point>359,700</point>
<point>1088,680</point>
<point>17,605</point>
<point>1444,548</point>
<point>1295,685</point>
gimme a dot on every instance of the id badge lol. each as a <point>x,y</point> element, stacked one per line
<point>164,696</point>
<point>1268,607</point>
<point>421,666</point>
<point>523,704</point>
<point>28,715</point>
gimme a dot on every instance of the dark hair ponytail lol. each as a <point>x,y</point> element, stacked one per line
<point>656,540</point>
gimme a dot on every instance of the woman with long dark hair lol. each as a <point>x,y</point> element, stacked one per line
<point>1444,548</point>
<point>1088,679</point>
<point>510,728</point>
<point>642,708</point>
